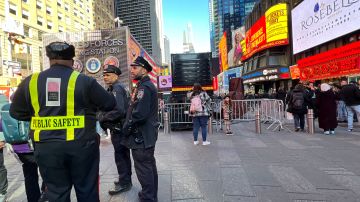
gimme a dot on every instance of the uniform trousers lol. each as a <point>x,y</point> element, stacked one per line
<point>122,159</point>
<point>66,164</point>
<point>146,171</point>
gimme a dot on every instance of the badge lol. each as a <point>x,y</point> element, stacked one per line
<point>78,66</point>
<point>53,92</point>
<point>111,60</point>
<point>140,94</point>
<point>93,65</point>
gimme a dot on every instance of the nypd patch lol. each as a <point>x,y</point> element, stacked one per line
<point>140,94</point>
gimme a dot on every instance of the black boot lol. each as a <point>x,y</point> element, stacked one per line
<point>120,188</point>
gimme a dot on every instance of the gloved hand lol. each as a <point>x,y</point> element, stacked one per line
<point>106,125</point>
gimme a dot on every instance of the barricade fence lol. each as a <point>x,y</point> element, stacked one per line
<point>272,111</point>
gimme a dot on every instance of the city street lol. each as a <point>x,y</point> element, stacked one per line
<point>273,166</point>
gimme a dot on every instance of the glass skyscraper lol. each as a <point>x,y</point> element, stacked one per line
<point>226,16</point>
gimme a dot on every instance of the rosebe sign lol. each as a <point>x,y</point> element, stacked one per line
<point>337,62</point>
<point>269,31</point>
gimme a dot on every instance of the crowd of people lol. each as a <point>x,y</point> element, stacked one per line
<point>331,104</point>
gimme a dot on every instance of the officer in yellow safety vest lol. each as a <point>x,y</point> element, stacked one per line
<point>61,105</point>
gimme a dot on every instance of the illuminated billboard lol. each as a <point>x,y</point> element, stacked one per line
<point>315,22</point>
<point>223,59</point>
<point>269,31</point>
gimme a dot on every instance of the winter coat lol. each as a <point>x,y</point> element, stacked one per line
<point>326,104</point>
<point>206,103</point>
<point>295,93</point>
<point>350,94</point>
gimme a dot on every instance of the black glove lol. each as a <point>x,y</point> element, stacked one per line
<point>106,125</point>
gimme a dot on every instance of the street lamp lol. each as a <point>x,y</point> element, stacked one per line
<point>118,22</point>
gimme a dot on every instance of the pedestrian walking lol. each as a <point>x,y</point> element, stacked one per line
<point>200,111</point>
<point>227,112</point>
<point>141,129</point>
<point>351,95</point>
<point>61,105</point>
<point>326,104</point>
<point>298,103</point>
<point>113,121</point>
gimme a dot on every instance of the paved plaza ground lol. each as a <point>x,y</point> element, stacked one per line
<point>274,166</point>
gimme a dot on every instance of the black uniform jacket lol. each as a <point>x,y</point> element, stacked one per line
<point>143,115</point>
<point>89,95</point>
<point>116,116</point>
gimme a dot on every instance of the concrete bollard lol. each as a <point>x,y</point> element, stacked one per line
<point>210,127</point>
<point>310,121</point>
<point>257,122</point>
<point>166,123</point>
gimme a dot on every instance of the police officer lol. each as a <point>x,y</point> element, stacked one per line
<point>61,105</point>
<point>114,121</point>
<point>141,128</point>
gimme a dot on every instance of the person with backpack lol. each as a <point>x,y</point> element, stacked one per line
<point>3,171</point>
<point>297,105</point>
<point>114,120</point>
<point>200,110</point>
<point>16,134</point>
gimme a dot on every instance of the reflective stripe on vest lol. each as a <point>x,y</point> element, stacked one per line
<point>68,122</point>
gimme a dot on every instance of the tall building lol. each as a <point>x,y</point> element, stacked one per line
<point>226,16</point>
<point>188,45</point>
<point>144,18</point>
<point>167,56</point>
<point>24,21</point>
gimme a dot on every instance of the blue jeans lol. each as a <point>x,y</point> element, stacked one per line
<point>200,121</point>
<point>341,111</point>
<point>3,174</point>
<point>350,111</point>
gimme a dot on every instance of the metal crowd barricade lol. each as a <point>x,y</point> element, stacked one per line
<point>178,113</point>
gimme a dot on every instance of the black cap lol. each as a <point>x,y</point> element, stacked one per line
<point>60,51</point>
<point>112,69</point>
<point>140,61</point>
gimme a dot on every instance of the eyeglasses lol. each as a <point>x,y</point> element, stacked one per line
<point>59,46</point>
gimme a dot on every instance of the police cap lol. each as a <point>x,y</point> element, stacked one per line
<point>60,51</point>
<point>112,69</point>
<point>140,61</point>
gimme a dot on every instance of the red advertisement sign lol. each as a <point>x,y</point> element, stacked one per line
<point>343,61</point>
<point>269,31</point>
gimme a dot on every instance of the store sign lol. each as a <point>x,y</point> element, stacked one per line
<point>267,75</point>
<point>343,61</point>
<point>12,63</point>
<point>231,73</point>
<point>315,22</point>
<point>13,26</point>
<point>223,59</point>
<point>269,31</point>
<point>165,82</point>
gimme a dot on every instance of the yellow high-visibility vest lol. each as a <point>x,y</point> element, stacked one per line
<point>68,122</point>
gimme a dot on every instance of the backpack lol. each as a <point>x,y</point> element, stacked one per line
<point>297,100</point>
<point>15,132</point>
<point>196,105</point>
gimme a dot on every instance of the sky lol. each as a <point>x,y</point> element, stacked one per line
<point>177,14</point>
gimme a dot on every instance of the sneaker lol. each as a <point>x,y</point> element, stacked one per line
<point>196,142</point>
<point>206,143</point>
<point>297,129</point>
<point>350,130</point>
<point>332,132</point>
<point>327,133</point>
<point>302,130</point>
<point>230,133</point>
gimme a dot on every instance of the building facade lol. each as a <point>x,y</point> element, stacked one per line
<point>226,16</point>
<point>24,21</point>
<point>144,18</point>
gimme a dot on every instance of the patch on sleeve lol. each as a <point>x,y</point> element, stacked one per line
<point>140,94</point>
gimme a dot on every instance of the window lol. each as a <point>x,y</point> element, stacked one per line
<point>59,3</point>
<point>262,62</point>
<point>38,5</point>
<point>277,59</point>
<point>60,16</point>
<point>48,10</point>
<point>61,29</point>
<point>49,25</point>
<point>25,14</point>
<point>27,31</point>
<point>25,1</point>
<point>67,7</point>
<point>40,21</point>
<point>12,9</point>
